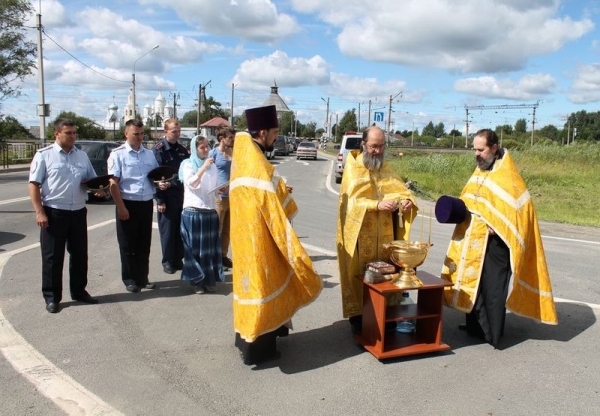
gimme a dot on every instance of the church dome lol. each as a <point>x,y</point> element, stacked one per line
<point>160,99</point>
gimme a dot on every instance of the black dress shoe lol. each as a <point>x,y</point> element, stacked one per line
<point>227,263</point>
<point>169,269</point>
<point>52,307</point>
<point>132,288</point>
<point>86,299</point>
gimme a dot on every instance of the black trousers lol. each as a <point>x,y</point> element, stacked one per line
<point>65,228</point>
<point>487,318</point>
<point>169,227</point>
<point>135,237</point>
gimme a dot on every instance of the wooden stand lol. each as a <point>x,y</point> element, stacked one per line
<point>427,313</point>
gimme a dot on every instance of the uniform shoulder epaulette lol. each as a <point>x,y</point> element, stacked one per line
<point>44,149</point>
<point>158,144</point>
<point>119,148</point>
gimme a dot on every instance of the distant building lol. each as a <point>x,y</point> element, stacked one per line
<point>112,121</point>
<point>275,99</point>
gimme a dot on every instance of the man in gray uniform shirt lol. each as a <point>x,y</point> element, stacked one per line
<point>59,201</point>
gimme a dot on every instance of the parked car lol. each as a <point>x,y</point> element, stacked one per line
<point>291,144</point>
<point>98,152</point>
<point>306,150</point>
<point>270,154</point>
<point>350,141</point>
<point>281,146</point>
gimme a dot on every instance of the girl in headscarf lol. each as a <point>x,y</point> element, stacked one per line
<point>199,220</point>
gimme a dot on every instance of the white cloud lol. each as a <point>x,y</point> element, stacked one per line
<point>356,88</point>
<point>257,20</point>
<point>259,73</point>
<point>529,87</point>
<point>466,36</point>
<point>53,14</point>
<point>586,86</point>
<point>119,42</point>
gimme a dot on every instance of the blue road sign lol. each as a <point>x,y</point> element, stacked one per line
<point>378,116</point>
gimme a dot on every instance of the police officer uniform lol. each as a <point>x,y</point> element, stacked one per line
<point>59,175</point>
<point>134,235</point>
<point>169,222</point>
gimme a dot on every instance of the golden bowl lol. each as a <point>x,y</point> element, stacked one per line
<point>408,255</point>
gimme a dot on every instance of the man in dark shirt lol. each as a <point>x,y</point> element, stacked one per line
<point>169,152</point>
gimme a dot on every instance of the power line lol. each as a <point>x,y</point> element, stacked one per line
<point>80,61</point>
<point>501,107</point>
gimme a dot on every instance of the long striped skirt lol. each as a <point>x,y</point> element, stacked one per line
<point>203,263</point>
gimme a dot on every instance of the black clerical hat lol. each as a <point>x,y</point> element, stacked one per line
<point>162,174</point>
<point>450,210</point>
<point>261,118</point>
<point>94,184</point>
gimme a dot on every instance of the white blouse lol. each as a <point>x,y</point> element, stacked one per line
<point>196,189</point>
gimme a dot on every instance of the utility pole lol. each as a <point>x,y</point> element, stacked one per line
<point>42,108</point>
<point>201,98</point>
<point>175,98</point>
<point>389,120</point>
<point>231,112</point>
<point>198,110</point>
<point>532,125</point>
<point>327,121</point>
<point>453,134</point>
<point>467,128</point>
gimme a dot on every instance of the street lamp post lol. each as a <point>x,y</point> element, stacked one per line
<point>133,78</point>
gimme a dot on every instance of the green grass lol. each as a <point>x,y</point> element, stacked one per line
<point>563,181</point>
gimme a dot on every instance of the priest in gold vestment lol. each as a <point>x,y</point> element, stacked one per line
<point>496,257</point>
<point>273,276</point>
<point>375,207</point>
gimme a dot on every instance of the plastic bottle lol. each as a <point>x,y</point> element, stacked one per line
<point>406,326</point>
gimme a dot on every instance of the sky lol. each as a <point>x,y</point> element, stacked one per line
<point>432,59</point>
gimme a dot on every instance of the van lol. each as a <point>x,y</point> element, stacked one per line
<point>350,141</point>
<point>281,146</point>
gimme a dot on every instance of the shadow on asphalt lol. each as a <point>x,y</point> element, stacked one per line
<point>316,348</point>
<point>573,319</point>
<point>164,289</point>
<point>8,238</point>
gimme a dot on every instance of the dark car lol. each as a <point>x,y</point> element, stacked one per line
<point>281,146</point>
<point>98,152</point>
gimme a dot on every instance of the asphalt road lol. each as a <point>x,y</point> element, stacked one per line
<point>169,351</point>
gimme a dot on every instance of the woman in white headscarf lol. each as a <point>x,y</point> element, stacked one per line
<point>199,220</point>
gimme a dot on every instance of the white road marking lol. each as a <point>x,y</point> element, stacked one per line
<point>328,179</point>
<point>573,240</point>
<point>11,201</point>
<point>48,379</point>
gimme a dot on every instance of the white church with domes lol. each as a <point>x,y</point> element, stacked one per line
<point>160,111</point>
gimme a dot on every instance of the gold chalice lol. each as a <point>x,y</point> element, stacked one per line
<point>408,255</point>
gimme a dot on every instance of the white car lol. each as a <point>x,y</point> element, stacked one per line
<point>350,141</point>
<point>270,154</point>
<point>306,150</point>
